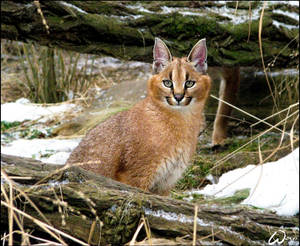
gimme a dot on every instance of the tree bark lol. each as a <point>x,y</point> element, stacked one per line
<point>95,209</point>
<point>126,30</point>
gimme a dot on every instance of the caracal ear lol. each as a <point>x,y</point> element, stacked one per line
<point>198,56</point>
<point>161,56</point>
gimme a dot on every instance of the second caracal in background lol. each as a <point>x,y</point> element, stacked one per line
<point>150,145</point>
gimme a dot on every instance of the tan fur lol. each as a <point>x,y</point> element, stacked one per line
<point>150,145</point>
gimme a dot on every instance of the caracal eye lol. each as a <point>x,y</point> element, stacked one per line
<point>189,83</point>
<point>167,83</point>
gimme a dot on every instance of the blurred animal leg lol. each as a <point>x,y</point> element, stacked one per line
<point>228,92</point>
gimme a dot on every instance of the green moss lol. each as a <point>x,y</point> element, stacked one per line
<point>238,197</point>
<point>123,223</point>
<point>240,31</point>
<point>32,134</point>
<point>63,24</point>
<point>5,125</point>
<point>239,57</point>
<point>113,29</point>
<point>180,27</point>
<point>146,19</point>
<point>195,173</point>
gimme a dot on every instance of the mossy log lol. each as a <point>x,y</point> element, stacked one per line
<point>126,30</point>
<point>95,209</point>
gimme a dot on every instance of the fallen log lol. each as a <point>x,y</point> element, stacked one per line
<point>96,209</point>
<point>126,30</point>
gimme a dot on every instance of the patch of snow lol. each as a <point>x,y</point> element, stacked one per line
<point>113,208</point>
<point>293,243</point>
<point>56,183</point>
<point>56,150</point>
<point>273,185</point>
<point>23,101</point>
<point>139,8</point>
<point>86,62</point>
<point>211,178</point>
<point>142,9</point>
<point>292,3</point>
<point>73,6</point>
<point>108,62</point>
<point>128,17</point>
<point>166,10</point>
<point>136,64</point>
<point>136,16</point>
<point>58,158</point>
<point>111,62</point>
<point>70,95</point>
<point>183,11</point>
<point>278,24</point>
<point>170,216</point>
<point>289,14</point>
<point>191,13</point>
<point>283,72</point>
<point>240,16</point>
<point>93,64</point>
<point>22,110</point>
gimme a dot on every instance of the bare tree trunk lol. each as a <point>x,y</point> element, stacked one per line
<point>93,208</point>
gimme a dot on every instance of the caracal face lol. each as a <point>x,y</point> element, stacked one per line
<point>179,83</point>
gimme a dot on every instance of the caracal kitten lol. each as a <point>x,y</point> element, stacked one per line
<point>150,145</point>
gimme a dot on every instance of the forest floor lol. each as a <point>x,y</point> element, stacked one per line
<point>117,87</point>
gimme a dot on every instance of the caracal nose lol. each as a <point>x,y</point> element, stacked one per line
<point>178,97</point>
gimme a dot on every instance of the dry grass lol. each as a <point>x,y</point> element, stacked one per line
<point>293,138</point>
<point>52,75</point>
<point>16,215</point>
<point>48,75</point>
<point>12,86</point>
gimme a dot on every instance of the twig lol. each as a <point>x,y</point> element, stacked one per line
<point>195,225</point>
<point>251,115</point>
<point>261,53</point>
<point>39,10</point>
<point>132,242</point>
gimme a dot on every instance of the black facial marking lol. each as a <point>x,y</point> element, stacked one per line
<point>171,74</point>
<point>187,76</point>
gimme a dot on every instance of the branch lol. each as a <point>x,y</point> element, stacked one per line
<point>126,30</point>
<point>93,208</point>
